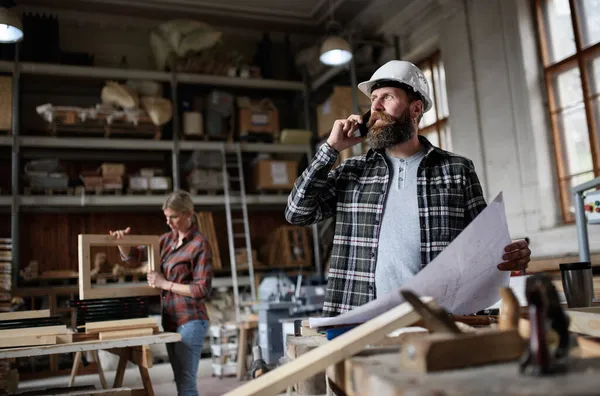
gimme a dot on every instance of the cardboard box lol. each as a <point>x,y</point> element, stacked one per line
<point>275,175</point>
<point>258,117</point>
<point>339,106</point>
<point>6,103</point>
<point>160,183</point>
<point>112,169</point>
<point>138,183</point>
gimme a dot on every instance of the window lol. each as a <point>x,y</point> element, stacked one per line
<point>569,32</point>
<point>434,124</point>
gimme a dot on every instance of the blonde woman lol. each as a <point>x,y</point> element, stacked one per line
<point>185,278</point>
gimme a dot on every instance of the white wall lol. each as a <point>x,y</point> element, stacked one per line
<point>497,114</point>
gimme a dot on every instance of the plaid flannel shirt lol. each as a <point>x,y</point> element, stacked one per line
<point>190,264</point>
<point>449,198</point>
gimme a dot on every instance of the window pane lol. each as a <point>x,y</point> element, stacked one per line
<point>568,90</point>
<point>589,15</point>
<point>575,140</point>
<point>433,137</point>
<point>429,117</point>
<point>440,90</point>
<point>561,41</point>
<point>594,75</point>
<point>446,142</point>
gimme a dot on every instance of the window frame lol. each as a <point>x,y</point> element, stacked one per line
<point>440,123</point>
<point>578,60</point>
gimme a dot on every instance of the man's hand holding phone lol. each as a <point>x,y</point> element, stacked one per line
<point>343,132</point>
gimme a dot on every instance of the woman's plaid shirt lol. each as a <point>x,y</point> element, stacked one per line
<point>189,264</point>
<point>449,197</point>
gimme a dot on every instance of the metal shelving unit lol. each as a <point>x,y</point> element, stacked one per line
<point>16,142</point>
<point>86,200</point>
<point>125,74</point>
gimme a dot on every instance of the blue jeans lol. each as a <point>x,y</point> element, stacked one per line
<point>185,356</point>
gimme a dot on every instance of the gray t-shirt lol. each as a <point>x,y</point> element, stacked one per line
<point>399,249</point>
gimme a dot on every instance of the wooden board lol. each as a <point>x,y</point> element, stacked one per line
<point>89,291</point>
<point>583,322</point>
<point>66,338</point>
<point>44,313</point>
<point>161,338</point>
<point>379,374</point>
<point>445,351</point>
<point>115,335</point>
<point>28,340</point>
<point>336,350</point>
<point>114,325</point>
<point>48,330</point>
<point>545,264</point>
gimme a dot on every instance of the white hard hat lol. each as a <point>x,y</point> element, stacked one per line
<point>402,72</point>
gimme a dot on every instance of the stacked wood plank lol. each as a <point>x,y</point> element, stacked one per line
<point>5,273</point>
<point>119,329</point>
<point>29,328</point>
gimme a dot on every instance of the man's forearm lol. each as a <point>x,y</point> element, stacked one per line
<point>313,196</point>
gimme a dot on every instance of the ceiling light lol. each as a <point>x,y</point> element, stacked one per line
<point>11,29</point>
<point>335,51</point>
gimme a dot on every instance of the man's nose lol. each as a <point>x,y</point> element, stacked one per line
<point>376,105</point>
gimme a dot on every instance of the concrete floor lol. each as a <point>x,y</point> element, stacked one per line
<point>160,374</point>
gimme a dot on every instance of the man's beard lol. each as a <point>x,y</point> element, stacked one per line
<point>390,131</point>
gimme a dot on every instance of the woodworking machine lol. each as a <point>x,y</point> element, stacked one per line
<point>305,301</point>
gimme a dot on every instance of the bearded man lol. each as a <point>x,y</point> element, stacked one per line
<point>396,207</point>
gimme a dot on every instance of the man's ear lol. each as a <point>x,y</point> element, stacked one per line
<point>416,110</point>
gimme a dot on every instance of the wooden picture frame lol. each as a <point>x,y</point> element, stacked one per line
<point>89,291</point>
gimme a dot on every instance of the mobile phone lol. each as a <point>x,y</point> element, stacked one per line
<point>363,128</point>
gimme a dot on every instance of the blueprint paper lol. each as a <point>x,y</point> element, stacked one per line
<point>463,278</point>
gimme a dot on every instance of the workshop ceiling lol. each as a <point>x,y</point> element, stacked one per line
<point>301,16</point>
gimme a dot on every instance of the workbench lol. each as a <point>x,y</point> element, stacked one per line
<point>128,350</point>
<point>377,372</point>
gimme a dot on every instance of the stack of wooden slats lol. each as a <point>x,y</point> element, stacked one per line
<point>289,246</point>
<point>98,310</point>
<point>28,328</point>
<point>5,301</point>
<point>126,328</point>
<point>5,273</point>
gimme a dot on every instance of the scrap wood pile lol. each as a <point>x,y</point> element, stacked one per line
<point>112,318</point>
<point>440,347</point>
<point>30,328</point>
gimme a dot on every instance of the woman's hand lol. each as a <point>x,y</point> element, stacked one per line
<point>119,234</point>
<point>157,280</point>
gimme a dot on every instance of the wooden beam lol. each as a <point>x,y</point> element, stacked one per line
<point>44,313</point>
<point>89,291</point>
<point>116,335</point>
<point>46,330</point>
<point>547,264</point>
<point>102,392</point>
<point>123,324</point>
<point>585,321</point>
<point>334,351</point>
<point>28,340</point>
<point>445,351</point>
